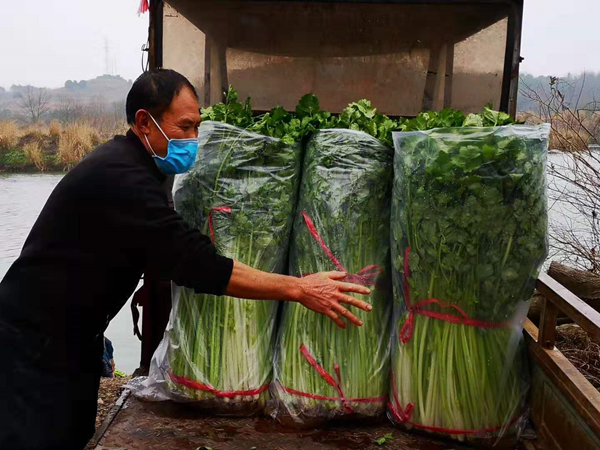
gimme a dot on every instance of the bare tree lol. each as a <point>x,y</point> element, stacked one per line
<point>69,110</point>
<point>574,174</point>
<point>35,102</point>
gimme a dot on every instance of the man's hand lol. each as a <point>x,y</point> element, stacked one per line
<point>324,293</point>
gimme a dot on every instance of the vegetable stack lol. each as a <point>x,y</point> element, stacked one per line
<point>342,223</point>
<point>469,222</point>
<point>241,192</point>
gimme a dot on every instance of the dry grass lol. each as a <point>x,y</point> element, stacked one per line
<point>33,153</point>
<point>54,129</point>
<point>52,146</point>
<point>10,134</point>
<point>581,351</point>
<point>571,131</point>
<point>75,142</point>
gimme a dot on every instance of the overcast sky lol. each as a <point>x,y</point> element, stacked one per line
<point>46,42</point>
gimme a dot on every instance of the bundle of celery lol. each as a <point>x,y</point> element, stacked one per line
<point>469,222</point>
<point>342,223</point>
<point>241,192</point>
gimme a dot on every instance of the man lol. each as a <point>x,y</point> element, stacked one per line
<point>108,363</point>
<point>106,223</point>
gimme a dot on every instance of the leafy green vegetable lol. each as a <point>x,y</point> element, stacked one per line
<point>309,118</point>
<point>277,123</point>
<point>227,343</point>
<point>119,374</point>
<point>452,118</point>
<point>361,116</point>
<point>384,439</point>
<point>345,194</point>
<point>232,111</point>
<point>469,220</point>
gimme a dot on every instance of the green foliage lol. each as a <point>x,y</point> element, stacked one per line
<point>449,118</point>
<point>361,116</point>
<point>232,111</point>
<point>382,440</point>
<point>120,374</point>
<point>470,204</point>
<point>277,123</point>
<point>308,118</point>
<point>15,157</point>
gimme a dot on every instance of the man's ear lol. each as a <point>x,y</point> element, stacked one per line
<point>142,121</point>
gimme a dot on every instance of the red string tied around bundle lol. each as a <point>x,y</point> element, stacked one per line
<point>195,385</point>
<point>223,209</point>
<point>327,377</point>
<point>365,277</point>
<point>461,318</point>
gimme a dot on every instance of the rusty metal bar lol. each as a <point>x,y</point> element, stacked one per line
<point>582,314</point>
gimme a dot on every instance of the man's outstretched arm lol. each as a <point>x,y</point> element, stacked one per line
<point>322,292</point>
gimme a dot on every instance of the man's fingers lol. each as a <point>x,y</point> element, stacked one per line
<point>335,275</point>
<point>347,314</point>
<point>356,288</point>
<point>333,316</point>
<point>349,300</point>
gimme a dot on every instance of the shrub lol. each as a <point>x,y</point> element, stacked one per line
<point>9,135</point>
<point>33,153</point>
<point>54,129</point>
<point>75,142</point>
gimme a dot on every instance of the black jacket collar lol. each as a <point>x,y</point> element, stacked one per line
<point>146,157</point>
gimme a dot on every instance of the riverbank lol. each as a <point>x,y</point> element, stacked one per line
<point>51,147</point>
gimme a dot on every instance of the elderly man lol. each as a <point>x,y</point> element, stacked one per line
<point>106,223</point>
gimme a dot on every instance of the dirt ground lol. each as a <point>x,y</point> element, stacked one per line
<point>110,390</point>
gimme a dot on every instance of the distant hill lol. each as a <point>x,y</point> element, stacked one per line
<point>106,88</point>
<point>111,88</point>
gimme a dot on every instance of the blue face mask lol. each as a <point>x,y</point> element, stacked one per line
<point>181,154</point>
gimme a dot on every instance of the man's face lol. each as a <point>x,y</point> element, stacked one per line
<point>180,121</point>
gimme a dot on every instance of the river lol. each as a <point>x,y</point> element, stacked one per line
<point>22,197</point>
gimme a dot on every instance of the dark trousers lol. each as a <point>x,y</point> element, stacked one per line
<point>46,409</point>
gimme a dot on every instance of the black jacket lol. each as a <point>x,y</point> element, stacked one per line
<point>105,224</point>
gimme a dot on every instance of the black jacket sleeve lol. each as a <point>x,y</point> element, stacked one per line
<point>160,238</point>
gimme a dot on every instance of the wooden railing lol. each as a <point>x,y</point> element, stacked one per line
<point>578,392</point>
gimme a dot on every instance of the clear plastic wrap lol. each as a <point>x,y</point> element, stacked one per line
<point>323,372</point>
<point>217,351</point>
<point>469,236</point>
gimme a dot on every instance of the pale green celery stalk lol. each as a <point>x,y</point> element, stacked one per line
<point>473,213</point>
<point>222,341</point>
<point>349,207</point>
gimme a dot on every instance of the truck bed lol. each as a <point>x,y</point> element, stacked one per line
<point>134,424</point>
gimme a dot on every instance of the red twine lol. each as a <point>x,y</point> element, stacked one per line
<point>407,329</point>
<point>224,209</point>
<point>205,387</point>
<point>330,380</point>
<point>365,277</point>
<point>403,415</point>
